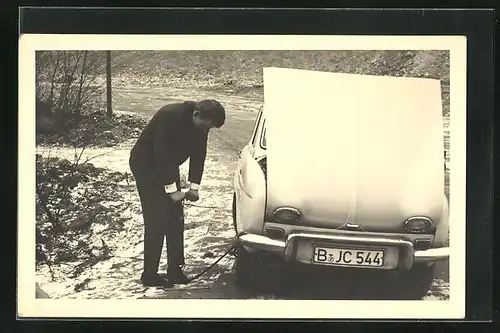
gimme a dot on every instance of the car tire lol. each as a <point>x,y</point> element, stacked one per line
<point>246,262</point>
<point>233,213</point>
<point>416,283</point>
<point>251,268</point>
<point>248,269</point>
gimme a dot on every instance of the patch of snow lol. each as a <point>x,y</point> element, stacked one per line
<point>98,228</point>
<point>118,276</point>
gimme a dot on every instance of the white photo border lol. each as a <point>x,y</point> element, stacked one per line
<point>29,306</point>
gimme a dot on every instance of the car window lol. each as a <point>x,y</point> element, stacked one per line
<point>263,140</point>
<point>256,126</point>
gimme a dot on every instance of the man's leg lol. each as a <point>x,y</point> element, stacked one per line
<point>175,235</point>
<point>154,213</point>
<point>175,241</point>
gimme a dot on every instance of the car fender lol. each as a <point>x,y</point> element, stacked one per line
<point>250,192</point>
<point>442,231</point>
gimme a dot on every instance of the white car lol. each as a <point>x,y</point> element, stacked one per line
<point>346,171</point>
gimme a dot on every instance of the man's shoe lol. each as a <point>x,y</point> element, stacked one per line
<point>176,276</point>
<point>155,281</point>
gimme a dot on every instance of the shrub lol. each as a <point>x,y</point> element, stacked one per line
<point>71,197</point>
<point>97,129</point>
<point>67,87</point>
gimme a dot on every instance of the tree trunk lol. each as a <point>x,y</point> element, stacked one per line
<point>78,103</point>
<point>108,83</point>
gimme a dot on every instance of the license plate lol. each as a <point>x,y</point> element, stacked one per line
<point>348,257</point>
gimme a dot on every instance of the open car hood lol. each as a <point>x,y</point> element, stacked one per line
<point>362,149</point>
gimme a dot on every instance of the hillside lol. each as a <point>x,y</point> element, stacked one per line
<point>237,70</point>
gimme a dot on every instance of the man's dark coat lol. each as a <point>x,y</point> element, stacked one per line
<point>166,142</point>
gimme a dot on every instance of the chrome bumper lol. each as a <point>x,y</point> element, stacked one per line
<point>287,248</point>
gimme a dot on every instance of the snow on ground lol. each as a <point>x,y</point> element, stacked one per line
<point>440,291</point>
<point>207,236</point>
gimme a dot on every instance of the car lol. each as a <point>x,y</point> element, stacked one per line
<point>344,170</point>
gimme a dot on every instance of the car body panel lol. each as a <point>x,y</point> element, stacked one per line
<point>441,234</point>
<point>374,160</point>
<point>250,191</point>
<point>289,229</point>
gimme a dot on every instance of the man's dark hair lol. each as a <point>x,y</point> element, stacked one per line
<point>211,109</point>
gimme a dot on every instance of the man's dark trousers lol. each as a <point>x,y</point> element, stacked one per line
<point>163,218</point>
<point>166,142</point>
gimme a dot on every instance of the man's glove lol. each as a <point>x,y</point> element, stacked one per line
<point>177,196</point>
<point>192,195</point>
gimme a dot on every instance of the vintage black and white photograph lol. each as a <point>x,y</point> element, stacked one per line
<point>231,173</point>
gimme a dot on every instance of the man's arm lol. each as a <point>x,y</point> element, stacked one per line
<point>197,162</point>
<point>165,151</point>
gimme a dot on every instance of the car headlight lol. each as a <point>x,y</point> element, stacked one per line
<point>287,214</point>
<point>418,224</point>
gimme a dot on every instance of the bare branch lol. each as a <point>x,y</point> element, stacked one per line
<point>68,82</point>
<point>53,219</point>
<point>82,80</point>
<point>96,156</point>
<point>65,193</point>
<point>52,80</point>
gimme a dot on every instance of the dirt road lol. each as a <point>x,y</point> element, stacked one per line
<point>208,230</point>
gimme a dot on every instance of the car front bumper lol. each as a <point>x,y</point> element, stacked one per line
<point>296,245</point>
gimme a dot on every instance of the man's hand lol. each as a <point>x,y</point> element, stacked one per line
<point>177,196</point>
<point>192,195</point>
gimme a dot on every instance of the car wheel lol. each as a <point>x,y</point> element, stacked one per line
<point>234,213</point>
<point>416,283</point>
<point>247,269</point>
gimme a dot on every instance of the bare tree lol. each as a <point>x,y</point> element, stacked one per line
<point>68,85</point>
<point>108,83</point>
